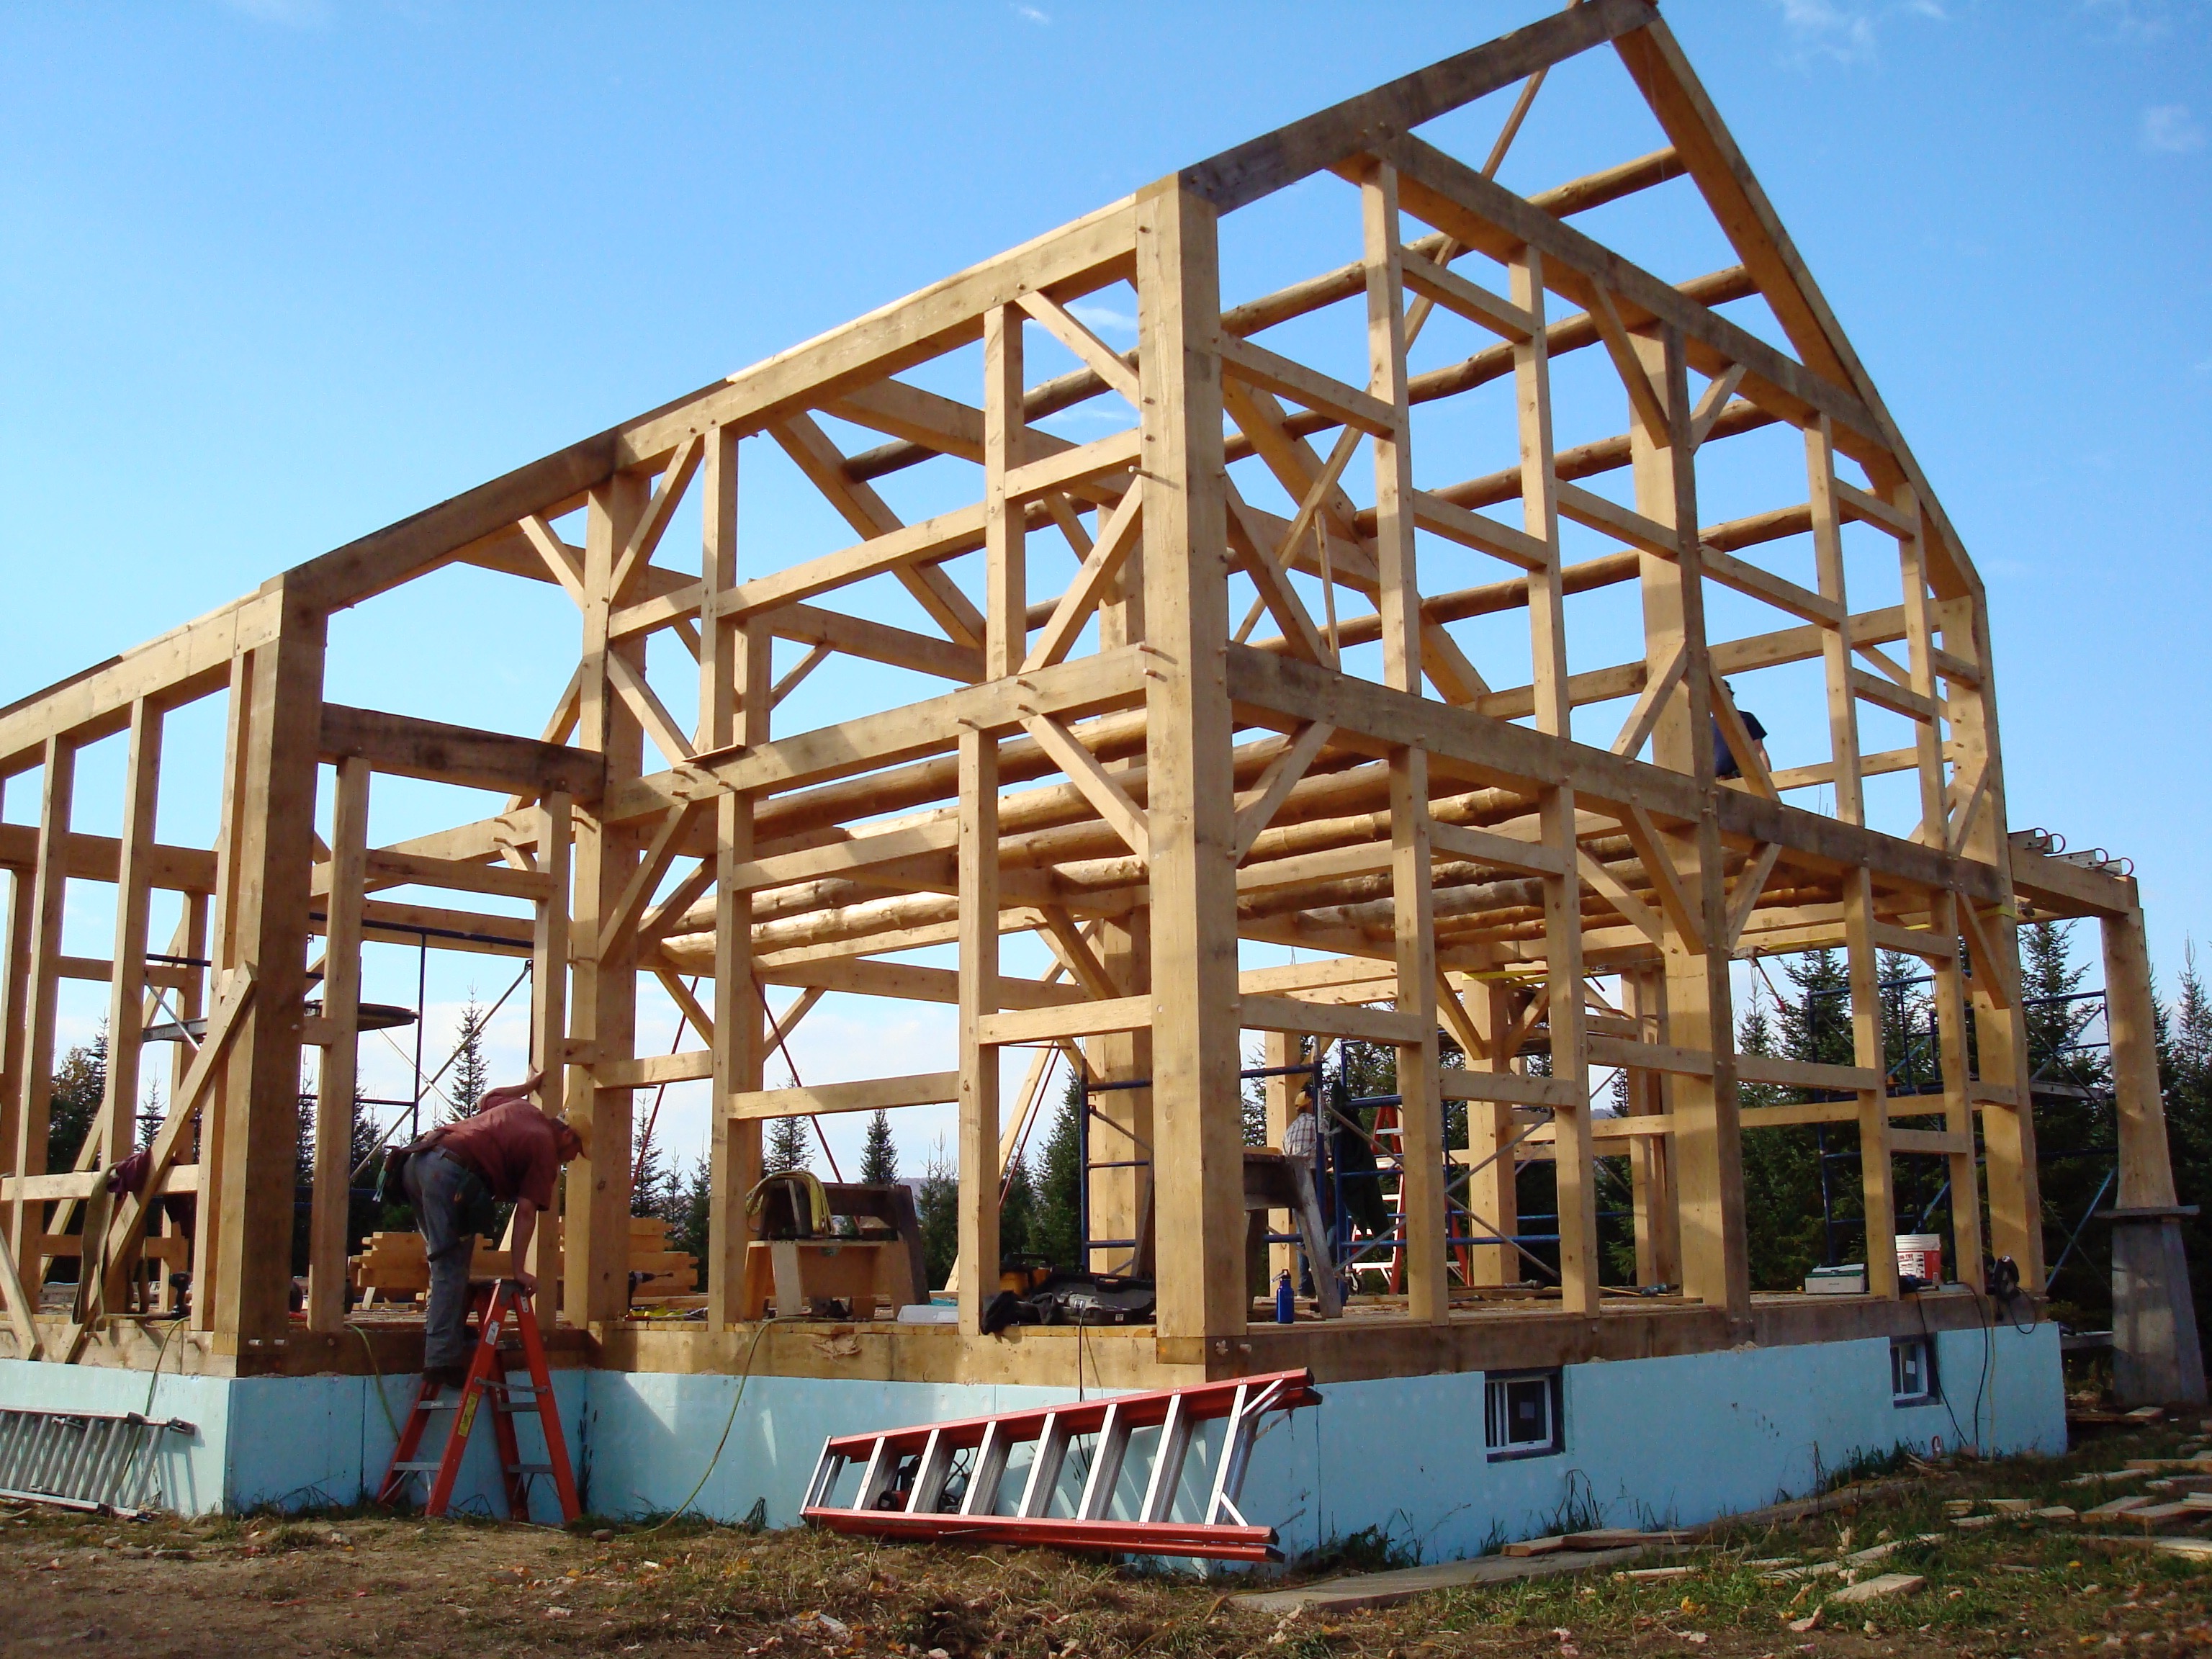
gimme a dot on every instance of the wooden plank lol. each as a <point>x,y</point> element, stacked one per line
<point>1198,1161</point>
<point>1484,846</point>
<point>1079,1019</point>
<point>126,1001</point>
<point>182,665</point>
<point>1513,1088</point>
<point>649,1071</point>
<point>874,1095</point>
<point>1360,1024</point>
<point>1261,165</point>
<point>1448,288</point>
<point>1101,570</point>
<point>339,1067</point>
<point>1097,786</point>
<point>1440,517</point>
<point>1649,1056</point>
<point>387,868</point>
<point>1938,1142</point>
<point>1460,202</point>
<point>34,1083</point>
<point>1310,387</point>
<point>403,746</point>
<point>1805,1073</point>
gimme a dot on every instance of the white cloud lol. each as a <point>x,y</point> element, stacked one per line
<point>2171,129</point>
<point>1031,15</point>
<point>2138,22</point>
<point>1103,316</point>
<point>286,13</point>
<point>1822,28</point>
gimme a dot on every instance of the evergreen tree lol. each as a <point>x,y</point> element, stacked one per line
<point>470,1075</point>
<point>1017,1213</point>
<point>690,1208</point>
<point>80,1084</point>
<point>878,1156</point>
<point>937,1199</point>
<point>1784,1235</point>
<point>1056,1231</point>
<point>2186,1073</point>
<point>787,1146</point>
<point>2076,1125</point>
<point>652,1187</point>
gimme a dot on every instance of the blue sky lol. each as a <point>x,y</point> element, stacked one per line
<point>275,272</point>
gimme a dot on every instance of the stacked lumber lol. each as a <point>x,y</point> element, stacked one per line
<point>396,1265</point>
<point>668,1272</point>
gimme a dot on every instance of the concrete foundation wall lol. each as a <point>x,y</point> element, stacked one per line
<point>1647,1441</point>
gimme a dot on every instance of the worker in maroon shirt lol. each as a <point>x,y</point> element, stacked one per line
<point>506,1150</point>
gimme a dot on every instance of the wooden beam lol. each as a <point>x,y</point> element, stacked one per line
<point>401,746</point>
<point>1238,177</point>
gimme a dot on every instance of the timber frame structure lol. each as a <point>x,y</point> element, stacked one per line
<point>1230,724</point>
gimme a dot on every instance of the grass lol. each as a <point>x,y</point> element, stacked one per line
<point>355,1582</point>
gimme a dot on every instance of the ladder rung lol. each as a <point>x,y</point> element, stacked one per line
<point>530,1468</point>
<point>437,1405</point>
<point>418,1468</point>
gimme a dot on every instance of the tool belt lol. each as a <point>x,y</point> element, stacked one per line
<point>477,1209</point>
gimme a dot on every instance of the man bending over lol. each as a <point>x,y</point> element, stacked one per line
<point>507,1150</point>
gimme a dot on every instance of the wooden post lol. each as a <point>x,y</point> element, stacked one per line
<point>1198,1130</point>
<point>549,1023</point>
<point>2156,1358</point>
<point>1706,1154</point>
<point>1658,1237</point>
<point>1563,919</point>
<point>603,1014</point>
<point>1951,1039</point>
<point>134,886</point>
<point>1494,1188</point>
<point>334,1198</point>
<point>978,996</point>
<point>1978,831</point>
<point>1281,1094</point>
<point>733,708</point>
<point>275,829</point>
<point>50,879</point>
<point>1420,1112</point>
<point>226,952</point>
<point>14,1024</point>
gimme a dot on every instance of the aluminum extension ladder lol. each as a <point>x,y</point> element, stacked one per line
<point>942,1481</point>
<point>85,1460</point>
<point>488,1380</point>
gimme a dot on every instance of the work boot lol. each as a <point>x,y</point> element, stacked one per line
<point>445,1376</point>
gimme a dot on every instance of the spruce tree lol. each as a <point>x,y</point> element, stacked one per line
<point>80,1084</point>
<point>1056,1232</point>
<point>652,1187</point>
<point>2185,1072</point>
<point>470,1075</point>
<point>878,1156</point>
<point>690,1213</point>
<point>787,1147</point>
<point>1017,1213</point>
<point>937,1198</point>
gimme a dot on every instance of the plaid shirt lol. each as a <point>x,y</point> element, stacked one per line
<point>1299,1138</point>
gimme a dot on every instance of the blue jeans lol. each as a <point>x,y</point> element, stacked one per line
<point>433,1182</point>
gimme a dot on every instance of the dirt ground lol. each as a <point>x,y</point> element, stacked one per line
<point>357,1583</point>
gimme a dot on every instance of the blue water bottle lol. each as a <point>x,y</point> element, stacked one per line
<point>1286,1301</point>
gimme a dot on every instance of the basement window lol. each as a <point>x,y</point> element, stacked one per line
<point>1521,1415</point>
<point>1913,1371</point>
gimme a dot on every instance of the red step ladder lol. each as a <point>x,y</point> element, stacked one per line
<point>488,1379</point>
<point>942,1481</point>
